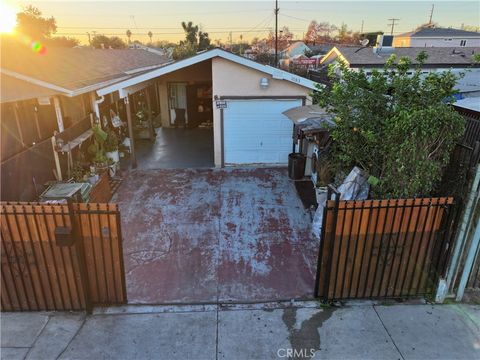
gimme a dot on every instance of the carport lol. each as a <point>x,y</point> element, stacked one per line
<point>240,101</point>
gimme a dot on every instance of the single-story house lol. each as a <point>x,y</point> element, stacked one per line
<point>431,36</point>
<point>53,93</point>
<point>242,100</point>
<point>458,60</point>
<point>55,96</point>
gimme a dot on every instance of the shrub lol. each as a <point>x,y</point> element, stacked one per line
<point>397,124</point>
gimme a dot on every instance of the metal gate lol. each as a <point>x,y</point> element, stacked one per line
<point>382,248</point>
<point>61,257</point>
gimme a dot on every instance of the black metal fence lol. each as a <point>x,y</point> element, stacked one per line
<point>383,248</point>
<point>60,257</point>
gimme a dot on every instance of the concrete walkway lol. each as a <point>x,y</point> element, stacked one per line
<point>263,331</point>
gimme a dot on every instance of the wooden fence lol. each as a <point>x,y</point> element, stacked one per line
<point>382,248</point>
<point>61,257</point>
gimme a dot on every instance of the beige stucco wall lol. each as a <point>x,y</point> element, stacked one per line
<point>407,41</point>
<point>201,72</point>
<point>231,79</point>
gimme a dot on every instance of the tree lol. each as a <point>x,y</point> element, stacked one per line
<point>164,44</point>
<point>284,38</point>
<point>190,32</point>
<point>129,35</point>
<point>265,58</point>
<point>399,127</point>
<point>203,41</point>
<point>31,23</point>
<point>150,35</point>
<point>195,40</point>
<point>62,41</point>
<point>312,34</point>
<point>183,51</point>
<point>346,36</point>
<point>114,42</point>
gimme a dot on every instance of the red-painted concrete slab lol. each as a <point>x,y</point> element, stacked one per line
<point>208,235</point>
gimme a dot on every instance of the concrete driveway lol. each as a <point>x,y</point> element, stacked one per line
<point>207,235</point>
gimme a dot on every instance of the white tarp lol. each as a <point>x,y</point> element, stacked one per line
<point>354,187</point>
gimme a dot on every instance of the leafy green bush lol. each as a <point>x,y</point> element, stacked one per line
<point>397,124</point>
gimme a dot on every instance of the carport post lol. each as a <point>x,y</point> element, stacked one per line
<point>130,132</point>
<point>149,107</point>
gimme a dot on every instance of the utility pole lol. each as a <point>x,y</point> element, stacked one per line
<point>276,32</point>
<point>431,14</point>
<point>392,24</point>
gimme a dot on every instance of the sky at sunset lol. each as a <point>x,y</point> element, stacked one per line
<point>243,18</point>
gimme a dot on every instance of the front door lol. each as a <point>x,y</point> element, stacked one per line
<point>177,103</point>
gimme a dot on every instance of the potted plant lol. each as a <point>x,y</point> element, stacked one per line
<point>96,149</point>
<point>142,123</point>
<point>324,177</point>
<point>111,146</point>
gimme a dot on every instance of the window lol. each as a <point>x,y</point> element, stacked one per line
<point>463,42</point>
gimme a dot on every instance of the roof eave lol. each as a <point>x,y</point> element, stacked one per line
<point>207,55</point>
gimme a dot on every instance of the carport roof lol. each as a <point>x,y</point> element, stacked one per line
<point>177,65</point>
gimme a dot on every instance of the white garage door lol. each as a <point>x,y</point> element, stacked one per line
<point>256,131</point>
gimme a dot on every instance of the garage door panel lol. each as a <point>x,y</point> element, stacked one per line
<point>256,131</point>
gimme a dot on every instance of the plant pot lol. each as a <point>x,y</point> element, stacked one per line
<point>93,179</point>
<point>320,192</point>
<point>113,155</point>
<point>126,142</point>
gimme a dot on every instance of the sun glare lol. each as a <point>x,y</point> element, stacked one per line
<point>8,19</point>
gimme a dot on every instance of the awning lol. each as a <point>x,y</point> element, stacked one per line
<point>310,118</point>
<point>472,103</point>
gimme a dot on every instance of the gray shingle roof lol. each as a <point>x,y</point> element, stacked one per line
<point>440,32</point>
<point>442,56</point>
<point>75,68</point>
<point>12,89</point>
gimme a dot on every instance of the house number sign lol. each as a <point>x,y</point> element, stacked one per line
<point>221,104</point>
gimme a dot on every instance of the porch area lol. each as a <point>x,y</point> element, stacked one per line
<point>175,149</point>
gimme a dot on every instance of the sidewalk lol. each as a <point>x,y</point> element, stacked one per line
<point>261,331</point>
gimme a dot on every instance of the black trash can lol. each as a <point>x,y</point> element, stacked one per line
<point>296,165</point>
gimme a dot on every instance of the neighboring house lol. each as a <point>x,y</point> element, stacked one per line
<point>299,48</point>
<point>458,60</point>
<point>44,94</point>
<point>295,49</point>
<point>321,49</point>
<point>241,99</point>
<point>437,37</point>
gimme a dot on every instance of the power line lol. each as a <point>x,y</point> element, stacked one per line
<point>158,33</point>
<point>168,14</point>
<point>392,24</point>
